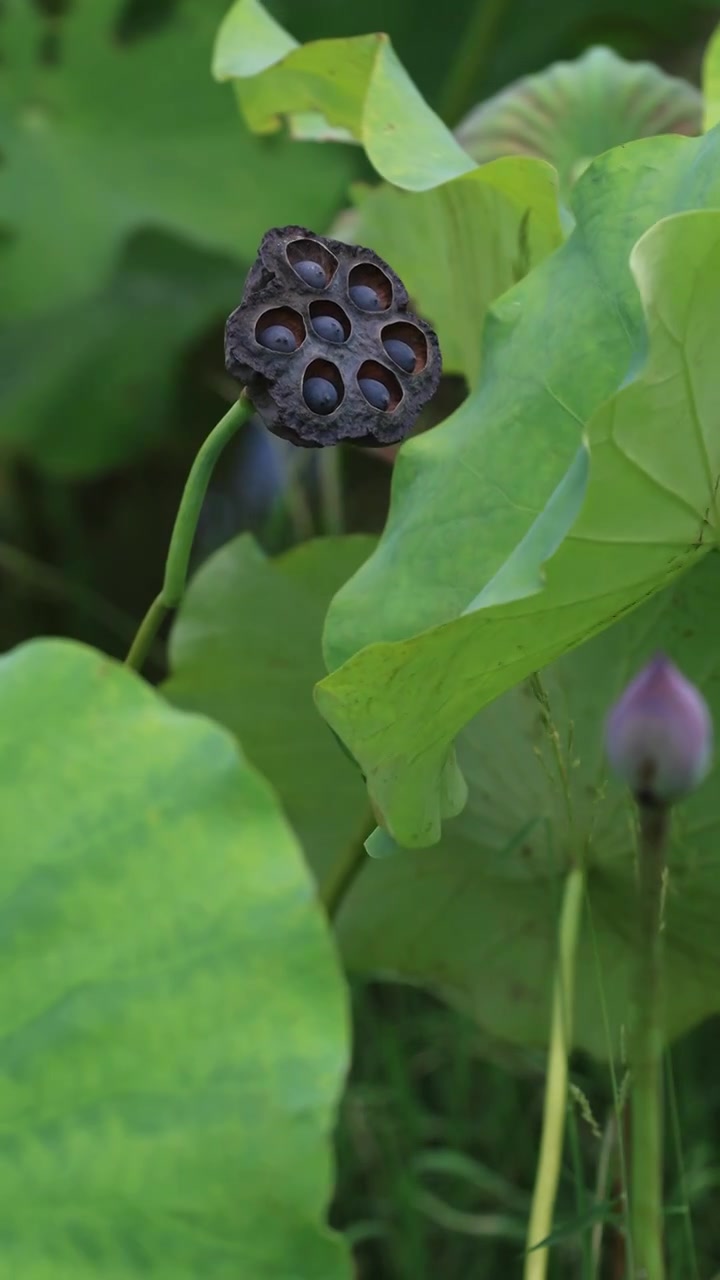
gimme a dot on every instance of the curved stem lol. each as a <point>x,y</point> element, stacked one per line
<point>555,1106</point>
<point>646,1052</point>
<point>344,872</point>
<point>146,635</point>
<point>183,534</point>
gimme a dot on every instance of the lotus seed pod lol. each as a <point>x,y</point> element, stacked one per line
<point>659,735</point>
<point>326,346</point>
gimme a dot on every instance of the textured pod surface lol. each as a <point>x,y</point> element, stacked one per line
<point>283,383</point>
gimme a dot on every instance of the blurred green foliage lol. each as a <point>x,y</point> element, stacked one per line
<point>488,43</point>
<point>108,139</point>
<point>129,190</point>
<point>132,199</point>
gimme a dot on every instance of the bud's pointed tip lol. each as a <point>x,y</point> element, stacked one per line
<point>661,661</point>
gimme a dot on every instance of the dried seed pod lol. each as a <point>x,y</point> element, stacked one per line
<point>325,344</point>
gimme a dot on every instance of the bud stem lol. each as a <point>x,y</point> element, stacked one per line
<point>183,534</point>
<point>646,1050</point>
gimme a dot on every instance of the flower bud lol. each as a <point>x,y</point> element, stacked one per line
<point>659,734</point>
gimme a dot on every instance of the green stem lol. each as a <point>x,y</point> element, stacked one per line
<point>555,1107</point>
<point>344,872</point>
<point>183,534</point>
<point>331,491</point>
<point>146,635</point>
<point>693,1270</point>
<point>474,53</point>
<point>646,1052</point>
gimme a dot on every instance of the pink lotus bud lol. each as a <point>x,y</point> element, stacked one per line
<point>659,734</point>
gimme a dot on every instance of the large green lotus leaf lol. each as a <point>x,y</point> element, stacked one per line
<point>174,1029</point>
<point>711,82</point>
<point>357,86</point>
<point>433,627</point>
<point>461,245</point>
<point>115,136</point>
<point>557,346</point>
<point>87,384</point>
<point>476,916</point>
<point>573,111</point>
<point>246,650</point>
